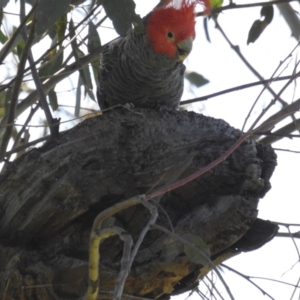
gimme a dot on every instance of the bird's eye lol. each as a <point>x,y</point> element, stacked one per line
<point>170,35</point>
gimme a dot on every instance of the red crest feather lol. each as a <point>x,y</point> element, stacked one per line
<point>180,21</point>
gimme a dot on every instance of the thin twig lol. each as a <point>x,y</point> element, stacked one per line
<point>280,115</point>
<point>248,278</point>
<point>234,89</point>
<point>214,287</point>
<point>17,138</point>
<point>286,224</point>
<point>150,223</point>
<point>288,235</point>
<point>275,280</point>
<point>244,60</point>
<point>94,256</point>
<point>125,270</point>
<point>280,133</point>
<point>201,253</point>
<point>8,45</point>
<point>50,83</point>
<point>268,84</point>
<point>39,87</point>
<point>201,294</point>
<point>27,145</point>
<point>11,114</point>
<point>295,244</point>
<point>3,87</point>
<point>287,150</point>
<point>240,6</point>
<point>97,235</point>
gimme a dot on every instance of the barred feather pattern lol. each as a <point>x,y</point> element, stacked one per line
<point>131,72</point>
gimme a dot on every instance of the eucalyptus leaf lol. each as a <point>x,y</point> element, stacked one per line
<point>196,79</point>
<point>258,26</point>
<point>3,3</point>
<point>93,43</point>
<point>90,94</point>
<point>201,256</point>
<point>78,97</point>
<point>93,38</point>
<point>48,12</point>
<point>3,37</point>
<point>2,103</point>
<point>61,26</point>
<point>53,99</point>
<point>52,64</point>
<point>122,13</point>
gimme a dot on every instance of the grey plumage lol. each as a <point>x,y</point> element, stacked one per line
<point>131,72</point>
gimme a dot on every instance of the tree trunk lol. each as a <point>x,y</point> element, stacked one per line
<point>50,196</point>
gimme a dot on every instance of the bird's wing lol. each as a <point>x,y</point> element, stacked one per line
<point>108,61</point>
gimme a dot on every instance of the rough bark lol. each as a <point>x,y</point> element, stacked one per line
<point>50,196</point>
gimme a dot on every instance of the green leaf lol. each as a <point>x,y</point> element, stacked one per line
<point>90,94</point>
<point>85,72</point>
<point>95,68</point>
<point>20,48</point>
<point>122,13</point>
<point>5,101</point>
<point>48,12</point>
<point>61,26</point>
<point>196,79</point>
<point>51,64</point>
<point>3,37</point>
<point>93,38</point>
<point>216,3</point>
<point>193,255</point>
<point>78,97</point>
<point>258,26</point>
<point>77,53</point>
<point>2,103</point>
<point>93,43</point>
<point>53,99</point>
<point>87,80</point>
<point>1,15</point>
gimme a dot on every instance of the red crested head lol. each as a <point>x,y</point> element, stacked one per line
<point>171,30</point>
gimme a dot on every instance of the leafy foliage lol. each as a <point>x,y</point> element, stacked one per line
<point>122,13</point>
<point>48,12</point>
<point>194,255</point>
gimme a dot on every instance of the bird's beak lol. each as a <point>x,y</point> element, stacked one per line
<point>184,49</point>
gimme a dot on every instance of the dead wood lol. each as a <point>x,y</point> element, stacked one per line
<point>50,196</point>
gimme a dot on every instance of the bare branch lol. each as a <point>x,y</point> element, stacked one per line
<point>234,89</point>
<point>42,95</point>
<point>248,278</point>
<point>50,83</point>
<point>291,18</point>
<point>201,253</point>
<point>289,235</point>
<point>235,6</point>
<point>244,60</point>
<point>11,42</point>
<point>11,114</point>
<point>281,133</point>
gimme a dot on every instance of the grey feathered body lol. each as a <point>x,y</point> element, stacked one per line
<point>130,72</point>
